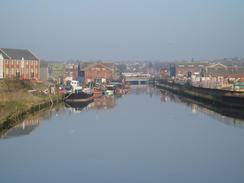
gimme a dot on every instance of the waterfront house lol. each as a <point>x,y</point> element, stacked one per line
<point>19,64</point>
<point>221,70</point>
<point>71,71</point>
<point>217,75</point>
<point>186,69</point>
<point>215,69</point>
<point>96,72</point>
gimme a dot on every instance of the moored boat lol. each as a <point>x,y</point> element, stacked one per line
<point>110,90</point>
<point>97,92</point>
<point>77,94</point>
<point>78,97</point>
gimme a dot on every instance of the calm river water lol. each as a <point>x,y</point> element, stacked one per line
<point>145,136</point>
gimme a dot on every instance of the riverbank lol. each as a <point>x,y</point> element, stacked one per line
<point>19,98</point>
<point>231,99</point>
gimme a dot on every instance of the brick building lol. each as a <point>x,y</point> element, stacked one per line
<point>164,73</point>
<point>97,72</point>
<point>221,70</point>
<point>71,70</point>
<point>19,64</point>
<point>184,69</point>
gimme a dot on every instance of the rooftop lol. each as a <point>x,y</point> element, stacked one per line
<point>17,54</point>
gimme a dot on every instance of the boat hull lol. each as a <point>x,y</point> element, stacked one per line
<point>78,97</point>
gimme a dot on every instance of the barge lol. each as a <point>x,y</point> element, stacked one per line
<point>78,97</point>
<point>77,94</point>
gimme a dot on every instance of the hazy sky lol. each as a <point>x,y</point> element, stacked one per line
<point>124,29</point>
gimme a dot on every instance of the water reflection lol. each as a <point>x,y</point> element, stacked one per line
<point>29,124</point>
<point>134,138</point>
<point>143,89</point>
<point>24,128</point>
<point>224,115</point>
<point>77,107</point>
<point>227,116</point>
<point>104,102</point>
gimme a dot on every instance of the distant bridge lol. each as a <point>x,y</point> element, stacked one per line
<point>137,80</point>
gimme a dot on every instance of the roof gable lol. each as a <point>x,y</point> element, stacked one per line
<point>217,66</point>
<point>17,54</point>
<point>88,66</point>
<point>192,64</point>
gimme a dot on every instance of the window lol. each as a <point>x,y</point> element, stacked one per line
<point>17,74</point>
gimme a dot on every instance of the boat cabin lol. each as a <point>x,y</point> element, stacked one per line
<point>75,86</point>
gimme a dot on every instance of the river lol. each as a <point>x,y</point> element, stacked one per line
<point>145,136</point>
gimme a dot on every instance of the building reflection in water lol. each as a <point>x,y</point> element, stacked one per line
<point>27,126</point>
<point>104,102</point>
<point>24,128</point>
<point>31,122</point>
<point>224,115</point>
<point>109,102</point>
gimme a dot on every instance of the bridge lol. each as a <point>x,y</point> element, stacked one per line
<point>136,78</point>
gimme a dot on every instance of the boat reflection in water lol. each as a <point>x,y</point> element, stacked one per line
<point>225,115</point>
<point>103,102</point>
<point>29,124</point>
<point>228,116</point>
<point>77,106</point>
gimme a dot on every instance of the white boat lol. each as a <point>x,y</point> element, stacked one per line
<point>87,90</point>
<point>75,85</point>
<point>110,90</point>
